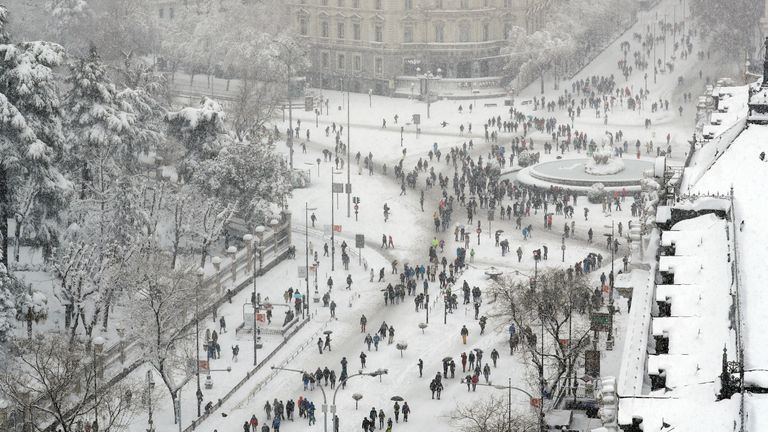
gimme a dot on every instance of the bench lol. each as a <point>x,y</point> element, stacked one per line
<point>490,105</point>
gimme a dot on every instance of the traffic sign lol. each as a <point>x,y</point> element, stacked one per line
<point>359,241</point>
<point>302,272</point>
<point>338,187</point>
<point>337,228</point>
<point>478,230</point>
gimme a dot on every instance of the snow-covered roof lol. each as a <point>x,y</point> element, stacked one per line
<point>741,168</point>
<point>759,98</point>
<point>697,330</point>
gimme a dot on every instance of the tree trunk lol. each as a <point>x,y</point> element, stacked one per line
<point>204,254</point>
<point>541,75</point>
<point>17,235</point>
<point>4,213</point>
<point>191,78</point>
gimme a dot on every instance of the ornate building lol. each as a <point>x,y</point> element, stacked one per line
<point>382,45</point>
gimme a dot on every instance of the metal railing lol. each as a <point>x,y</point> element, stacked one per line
<point>737,297</point>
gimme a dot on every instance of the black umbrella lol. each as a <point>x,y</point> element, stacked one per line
<point>396,398</point>
<point>328,332</point>
<point>478,350</point>
<point>447,359</point>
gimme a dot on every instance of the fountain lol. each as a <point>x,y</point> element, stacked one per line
<point>579,175</point>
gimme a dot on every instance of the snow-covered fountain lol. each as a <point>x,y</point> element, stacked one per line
<point>580,174</point>
<point>603,163</point>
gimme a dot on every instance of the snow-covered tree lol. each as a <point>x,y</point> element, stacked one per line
<point>162,303</point>
<point>69,23</point>
<point>533,55</point>
<point>30,128</point>
<point>250,174</point>
<point>48,379</point>
<point>202,133</point>
<point>718,19</point>
<point>8,289</point>
<point>83,273</point>
<point>560,301</point>
<point>491,415</point>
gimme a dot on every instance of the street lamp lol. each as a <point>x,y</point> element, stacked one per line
<point>333,213</point>
<point>260,234</point>
<point>611,309</point>
<point>563,247</point>
<point>307,209</point>
<point>376,373</point>
<point>98,348</point>
<point>427,78</point>
<point>199,393</point>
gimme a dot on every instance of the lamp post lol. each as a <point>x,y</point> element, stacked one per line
<point>199,393</point>
<point>611,309</point>
<point>376,373</point>
<point>333,230</point>
<point>427,78</point>
<point>563,247</point>
<point>259,233</point>
<point>348,186</point>
<point>98,347</point>
<point>306,250</point>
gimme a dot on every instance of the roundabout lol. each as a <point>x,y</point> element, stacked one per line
<point>580,175</point>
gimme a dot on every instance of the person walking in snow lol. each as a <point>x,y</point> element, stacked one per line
<point>464,333</point>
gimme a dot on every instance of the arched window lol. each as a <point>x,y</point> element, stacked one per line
<point>464,31</point>
<point>439,32</point>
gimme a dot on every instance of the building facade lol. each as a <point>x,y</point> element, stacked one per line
<point>379,45</point>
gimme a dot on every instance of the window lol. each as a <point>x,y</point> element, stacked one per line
<point>408,4</point>
<point>358,63</point>
<point>464,32</point>
<point>340,3</point>
<point>324,32</point>
<point>438,4</point>
<point>507,30</point>
<point>464,4</point>
<point>324,60</point>
<point>408,34</point>
<point>486,32</point>
<point>170,13</point>
<point>356,31</point>
<point>486,3</point>
<point>379,33</point>
<point>161,12</point>
<point>439,32</point>
<point>377,4</point>
<point>340,30</point>
<point>324,2</point>
<point>355,3</point>
<point>507,3</point>
<point>341,61</point>
<point>378,66</point>
<point>303,28</point>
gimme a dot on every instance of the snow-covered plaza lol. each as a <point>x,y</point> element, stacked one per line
<point>581,252</point>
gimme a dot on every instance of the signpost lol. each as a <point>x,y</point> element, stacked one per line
<point>359,244</point>
<point>592,363</point>
<point>600,321</point>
